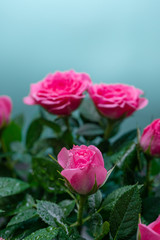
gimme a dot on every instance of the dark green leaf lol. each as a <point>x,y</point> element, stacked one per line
<point>54,126</point>
<point>96,224</point>
<point>124,216</point>
<point>89,112</point>
<point>12,133</point>
<point>22,216</point>
<point>24,205</point>
<point>43,144</point>
<point>67,206</point>
<point>43,234</point>
<point>124,140</point>
<point>34,132</point>
<point>94,200</point>
<point>151,208</point>
<point>50,212</point>
<point>45,171</point>
<point>90,129</point>
<point>10,186</point>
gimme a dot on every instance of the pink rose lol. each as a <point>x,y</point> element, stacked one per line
<point>59,93</point>
<point>1,238</point>
<point>82,165</point>
<point>150,139</point>
<point>150,232</point>
<point>116,100</point>
<point>5,110</point>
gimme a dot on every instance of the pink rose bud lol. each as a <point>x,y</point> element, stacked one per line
<point>82,167</point>
<point>150,139</point>
<point>5,110</point>
<point>150,232</point>
<point>59,93</point>
<point>115,101</point>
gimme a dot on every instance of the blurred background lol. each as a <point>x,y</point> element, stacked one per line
<point>111,40</point>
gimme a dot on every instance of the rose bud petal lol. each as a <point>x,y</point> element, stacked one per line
<point>150,139</point>
<point>82,166</point>
<point>5,110</point>
<point>59,93</point>
<point>150,232</point>
<point>116,101</point>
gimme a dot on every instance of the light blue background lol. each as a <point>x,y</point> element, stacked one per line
<point>112,40</point>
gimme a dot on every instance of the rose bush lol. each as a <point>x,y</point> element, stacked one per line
<point>5,110</point>
<point>59,93</point>
<point>150,139</point>
<point>82,165</point>
<point>150,232</point>
<point>115,101</point>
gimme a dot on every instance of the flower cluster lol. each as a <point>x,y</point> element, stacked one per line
<point>61,93</point>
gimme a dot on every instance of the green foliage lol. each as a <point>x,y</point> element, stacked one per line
<point>111,213</point>
<point>124,215</point>
<point>94,200</point>
<point>67,206</point>
<point>10,134</point>
<point>50,213</point>
<point>43,234</point>
<point>22,216</point>
<point>10,186</point>
<point>34,132</point>
<point>46,172</point>
<point>90,129</point>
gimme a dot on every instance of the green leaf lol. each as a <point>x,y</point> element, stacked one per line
<point>124,140</point>
<point>50,212</point>
<point>54,126</point>
<point>89,112</point>
<point>151,208</point>
<point>90,129</point>
<point>44,234</point>
<point>10,186</point>
<point>34,132</point>
<point>108,174</point>
<point>42,144</point>
<point>94,200</point>
<point>20,231</point>
<point>22,216</point>
<point>124,216</point>
<point>96,224</point>
<point>67,206</point>
<point>12,133</point>
<point>45,171</point>
<point>24,205</point>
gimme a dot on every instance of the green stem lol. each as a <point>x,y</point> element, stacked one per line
<point>66,119</point>
<point>109,129</point>
<point>80,210</point>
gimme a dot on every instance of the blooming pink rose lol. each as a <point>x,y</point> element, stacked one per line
<point>82,165</point>
<point>117,100</point>
<point>5,110</point>
<point>150,139</point>
<point>150,232</point>
<point>59,93</point>
<point>1,238</point>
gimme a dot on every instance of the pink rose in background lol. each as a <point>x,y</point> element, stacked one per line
<point>81,166</point>
<point>59,93</point>
<point>5,110</point>
<point>150,139</point>
<point>150,232</point>
<point>2,238</point>
<point>117,100</point>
